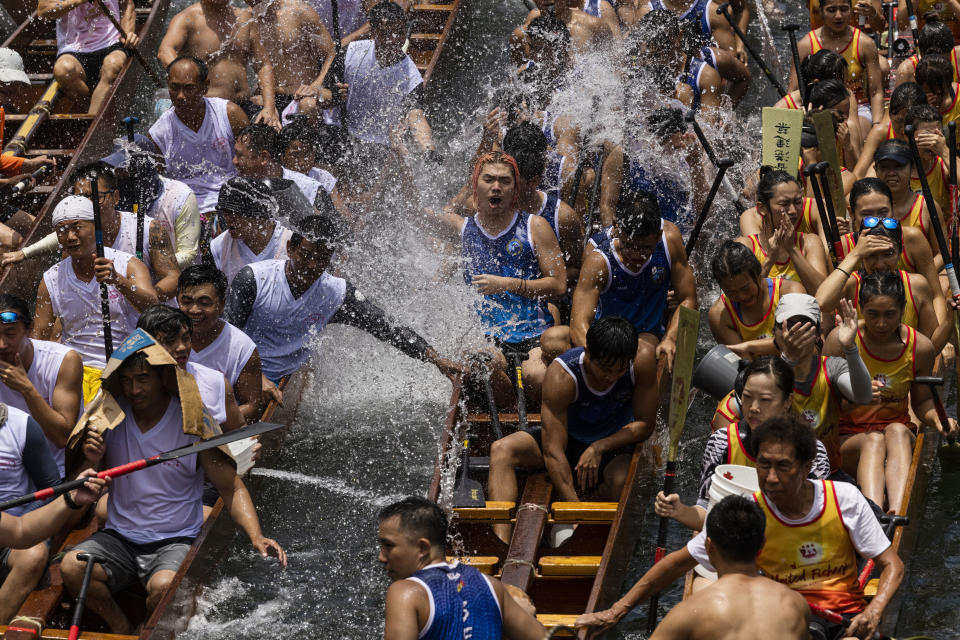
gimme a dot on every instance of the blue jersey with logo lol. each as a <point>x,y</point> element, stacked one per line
<point>462,604</point>
<point>594,414</point>
<point>670,194</point>
<point>639,296</point>
<point>506,316</point>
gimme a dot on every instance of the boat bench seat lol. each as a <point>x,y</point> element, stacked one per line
<point>551,620</point>
<point>575,512</point>
<point>870,589</point>
<point>569,565</point>
<point>494,511</point>
<point>483,564</point>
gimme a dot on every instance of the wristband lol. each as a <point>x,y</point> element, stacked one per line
<point>70,503</point>
<point>790,363</point>
<point>843,271</point>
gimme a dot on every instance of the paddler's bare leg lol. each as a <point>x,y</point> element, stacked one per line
<point>69,74</point>
<point>866,453</point>
<point>109,71</point>
<point>899,445</point>
<point>99,599</point>
<point>157,586</point>
<point>506,454</point>
<point>534,370</point>
<point>614,477</point>
<point>555,341</point>
<point>25,569</point>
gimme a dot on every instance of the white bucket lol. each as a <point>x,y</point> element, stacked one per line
<point>729,480</point>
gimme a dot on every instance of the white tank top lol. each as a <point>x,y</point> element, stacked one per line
<point>212,390</point>
<point>228,353</point>
<point>85,29</point>
<point>159,502</point>
<point>307,185</point>
<point>230,254</point>
<point>126,239</point>
<point>280,325</point>
<point>376,99</point>
<point>43,372</point>
<point>77,304</point>
<point>202,159</point>
<point>14,481</point>
<point>326,179</point>
<point>169,205</point>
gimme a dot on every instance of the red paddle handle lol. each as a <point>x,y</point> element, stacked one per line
<point>124,469</point>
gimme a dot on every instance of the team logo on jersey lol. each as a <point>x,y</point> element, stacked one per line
<point>657,273</point>
<point>811,551</point>
<point>460,586</point>
<point>624,396</point>
<point>810,416</point>
<point>514,247</point>
<point>883,379</point>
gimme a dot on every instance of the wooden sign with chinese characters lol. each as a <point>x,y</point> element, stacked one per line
<point>781,138</point>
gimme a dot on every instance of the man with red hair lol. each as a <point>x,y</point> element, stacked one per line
<point>513,260</point>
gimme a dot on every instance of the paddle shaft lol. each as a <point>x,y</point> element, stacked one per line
<point>834,247</point>
<point>82,596</point>
<point>22,186</point>
<point>521,395</point>
<point>892,523</point>
<point>835,618</point>
<point>130,122</point>
<point>594,196</point>
<point>133,50</point>
<point>114,472</point>
<point>104,293</point>
<point>707,147</point>
<point>724,10</point>
<point>915,29</point>
<point>492,406</point>
<point>714,188</point>
<point>791,30</point>
<point>822,168</point>
<point>932,210</point>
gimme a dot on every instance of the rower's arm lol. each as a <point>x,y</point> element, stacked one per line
<point>43,318</point>
<point>42,523</point>
<point>571,240</point>
<point>136,286</point>
<point>611,184</point>
<point>838,284</point>
<point>249,389</point>
<point>129,19</point>
<point>552,282</point>
<point>874,77</point>
<point>265,76</point>
<point>174,40</point>
<point>237,501</point>
<point>53,9</point>
<point>586,297</point>
<point>187,231</point>
<point>237,118</point>
<point>877,135</point>
<point>57,421</point>
<point>164,262</point>
<point>559,391</point>
<point>46,244</point>
<point>921,255</point>
<point>240,298</point>
<point>681,278</point>
<point>891,575</point>
<point>38,461</point>
<point>359,312</point>
<point>810,263</point>
<point>518,622</point>
<point>235,419</point>
<point>406,602</point>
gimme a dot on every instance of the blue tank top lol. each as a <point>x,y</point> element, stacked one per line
<point>692,78</point>
<point>640,297</point>
<point>550,211</point>
<point>462,604</point>
<point>594,415</point>
<point>506,316</point>
<point>552,171</point>
<point>671,195</point>
<point>592,7</point>
<point>696,13</point>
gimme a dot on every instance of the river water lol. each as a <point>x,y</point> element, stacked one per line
<point>370,420</point>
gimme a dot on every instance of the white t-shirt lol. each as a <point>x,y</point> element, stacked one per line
<point>85,29</point>
<point>377,99</point>
<point>866,533</point>
<point>232,254</point>
<point>212,390</point>
<point>228,353</point>
<point>326,179</point>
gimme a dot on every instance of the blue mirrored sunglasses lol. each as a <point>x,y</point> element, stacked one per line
<point>9,317</point>
<point>873,221</point>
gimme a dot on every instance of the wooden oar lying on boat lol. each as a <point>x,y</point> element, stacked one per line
<point>688,330</point>
<point>249,431</point>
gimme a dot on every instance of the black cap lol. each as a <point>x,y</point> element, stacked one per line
<point>246,197</point>
<point>895,150</point>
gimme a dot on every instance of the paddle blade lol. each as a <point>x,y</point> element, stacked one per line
<point>467,492</point>
<point>950,455</point>
<point>688,330</point>
<point>255,429</point>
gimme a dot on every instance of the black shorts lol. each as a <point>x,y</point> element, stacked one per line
<point>820,629</point>
<point>508,349</point>
<point>280,100</point>
<point>575,449</point>
<point>210,494</point>
<point>91,61</point>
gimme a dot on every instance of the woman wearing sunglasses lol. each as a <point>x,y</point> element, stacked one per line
<point>781,249</point>
<point>876,440</point>
<point>884,245</point>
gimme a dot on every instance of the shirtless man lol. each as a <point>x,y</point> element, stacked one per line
<point>586,31</point>
<point>228,40</point>
<point>300,48</point>
<point>742,604</point>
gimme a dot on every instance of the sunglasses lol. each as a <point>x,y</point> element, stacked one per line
<point>9,317</point>
<point>873,221</point>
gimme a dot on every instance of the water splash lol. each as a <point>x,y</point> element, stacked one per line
<point>329,483</point>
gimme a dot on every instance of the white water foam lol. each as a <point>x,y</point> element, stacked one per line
<point>331,484</point>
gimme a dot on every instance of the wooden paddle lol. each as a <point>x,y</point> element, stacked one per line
<point>249,431</point>
<point>833,243</point>
<point>467,492</point>
<point>687,332</point>
<point>91,561</point>
<point>722,167</point>
<point>890,525</point>
<point>130,122</point>
<point>133,50</point>
<point>104,294</point>
<point>950,451</point>
<point>791,30</point>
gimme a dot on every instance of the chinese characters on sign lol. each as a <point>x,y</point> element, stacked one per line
<point>781,138</point>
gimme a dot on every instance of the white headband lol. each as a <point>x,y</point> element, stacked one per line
<point>72,208</point>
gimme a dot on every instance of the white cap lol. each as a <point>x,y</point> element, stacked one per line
<point>11,67</point>
<point>72,208</point>
<point>793,305</point>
